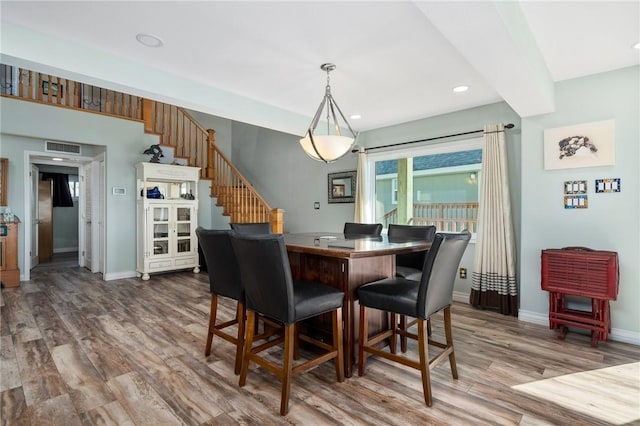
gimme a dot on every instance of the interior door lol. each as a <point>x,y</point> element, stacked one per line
<point>45,220</point>
<point>33,195</point>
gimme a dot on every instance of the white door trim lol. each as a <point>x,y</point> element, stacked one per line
<point>39,157</point>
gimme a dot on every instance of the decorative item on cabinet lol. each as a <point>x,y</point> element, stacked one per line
<point>166,224</point>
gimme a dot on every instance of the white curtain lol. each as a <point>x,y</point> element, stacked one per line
<point>493,283</point>
<point>361,214</point>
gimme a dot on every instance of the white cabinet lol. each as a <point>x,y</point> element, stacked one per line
<point>167,209</point>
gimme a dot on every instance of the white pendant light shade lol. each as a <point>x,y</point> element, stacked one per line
<point>331,145</point>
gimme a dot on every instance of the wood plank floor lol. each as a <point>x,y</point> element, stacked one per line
<point>77,350</point>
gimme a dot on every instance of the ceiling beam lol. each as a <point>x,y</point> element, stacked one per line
<point>495,39</point>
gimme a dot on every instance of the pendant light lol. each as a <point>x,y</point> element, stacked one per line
<point>331,145</point>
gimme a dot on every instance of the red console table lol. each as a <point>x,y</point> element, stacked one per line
<point>582,272</point>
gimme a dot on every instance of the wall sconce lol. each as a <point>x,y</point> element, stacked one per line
<point>472,178</point>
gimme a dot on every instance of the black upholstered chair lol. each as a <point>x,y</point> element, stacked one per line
<point>370,229</point>
<point>271,292</point>
<point>418,299</point>
<point>224,280</point>
<point>410,265</point>
<point>259,228</point>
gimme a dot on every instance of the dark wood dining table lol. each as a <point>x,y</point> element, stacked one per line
<point>346,262</point>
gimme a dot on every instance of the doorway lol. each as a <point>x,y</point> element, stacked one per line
<point>80,235</point>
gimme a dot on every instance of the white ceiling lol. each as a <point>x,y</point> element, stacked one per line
<point>258,61</point>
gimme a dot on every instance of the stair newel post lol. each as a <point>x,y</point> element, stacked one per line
<point>211,140</point>
<point>277,221</point>
<point>147,115</point>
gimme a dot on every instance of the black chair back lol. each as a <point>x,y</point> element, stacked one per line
<point>439,272</point>
<point>372,229</point>
<point>224,275</point>
<point>425,233</point>
<point>266,274</point>
<point>259,228</point>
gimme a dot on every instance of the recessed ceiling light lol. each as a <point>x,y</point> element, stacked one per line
<point>355,116</point>
<point>149,40</point>
<point>637,45</point>
<point>460,89</point>
<point>57,159</point>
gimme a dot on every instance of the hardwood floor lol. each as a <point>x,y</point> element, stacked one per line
<point>77,350</point>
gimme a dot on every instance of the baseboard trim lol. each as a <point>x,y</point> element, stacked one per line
<point>65,249</point>
<point>461,297</point>
<point>617,334</point>
<point>119,275</point>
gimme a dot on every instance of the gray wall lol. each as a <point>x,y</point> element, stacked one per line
<point>612,221</point>
<point>287,178</point>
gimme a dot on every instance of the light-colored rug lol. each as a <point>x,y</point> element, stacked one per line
<point>610,394</point>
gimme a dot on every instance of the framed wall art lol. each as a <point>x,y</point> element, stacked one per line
<point>581,145</point>
<point>342,187</point>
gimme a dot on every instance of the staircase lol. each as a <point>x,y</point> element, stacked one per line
<point>174,127</point>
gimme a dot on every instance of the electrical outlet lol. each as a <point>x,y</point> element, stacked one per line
<point>463,273</point>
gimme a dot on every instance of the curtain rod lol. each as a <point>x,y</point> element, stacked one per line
<point>506,126</point>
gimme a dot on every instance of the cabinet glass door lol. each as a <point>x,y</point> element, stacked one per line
<point>160,230</point>
<point>183,228</point>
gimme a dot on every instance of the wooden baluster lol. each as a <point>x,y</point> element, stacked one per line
<point>196,156</point>
<point>172,141</point>
<point>190,141</point>
<point>20,85</point>
<point>147,115</point>
<point>108,105</point>
<point>76,97</point>
<point>40,88</point>
<point>184,132</point>
<point>211,140</point>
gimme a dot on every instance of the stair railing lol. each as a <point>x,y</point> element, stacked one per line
<point>173,125</point>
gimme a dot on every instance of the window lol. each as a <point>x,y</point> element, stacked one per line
<point>443,180</point>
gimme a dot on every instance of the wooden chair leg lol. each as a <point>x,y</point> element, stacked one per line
<point>449,337</point>
<point>289,338</point>
<point>296,343</point>
<point>394,332</point>
<point>240,317</point>
<point>337,343</point>
<point>248,342</point>
<point>212,323</point>
<point>423,344</point>
<point>362,339</point>
<point>403,334</point>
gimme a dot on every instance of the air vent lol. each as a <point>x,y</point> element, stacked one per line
<point>66,148</point>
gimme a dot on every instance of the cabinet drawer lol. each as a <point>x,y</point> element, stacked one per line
<point>186,261</point>
<point>159,264</point>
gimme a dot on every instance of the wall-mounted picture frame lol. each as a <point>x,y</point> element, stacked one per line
<point>581,145</point>
<point>341,187</point>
